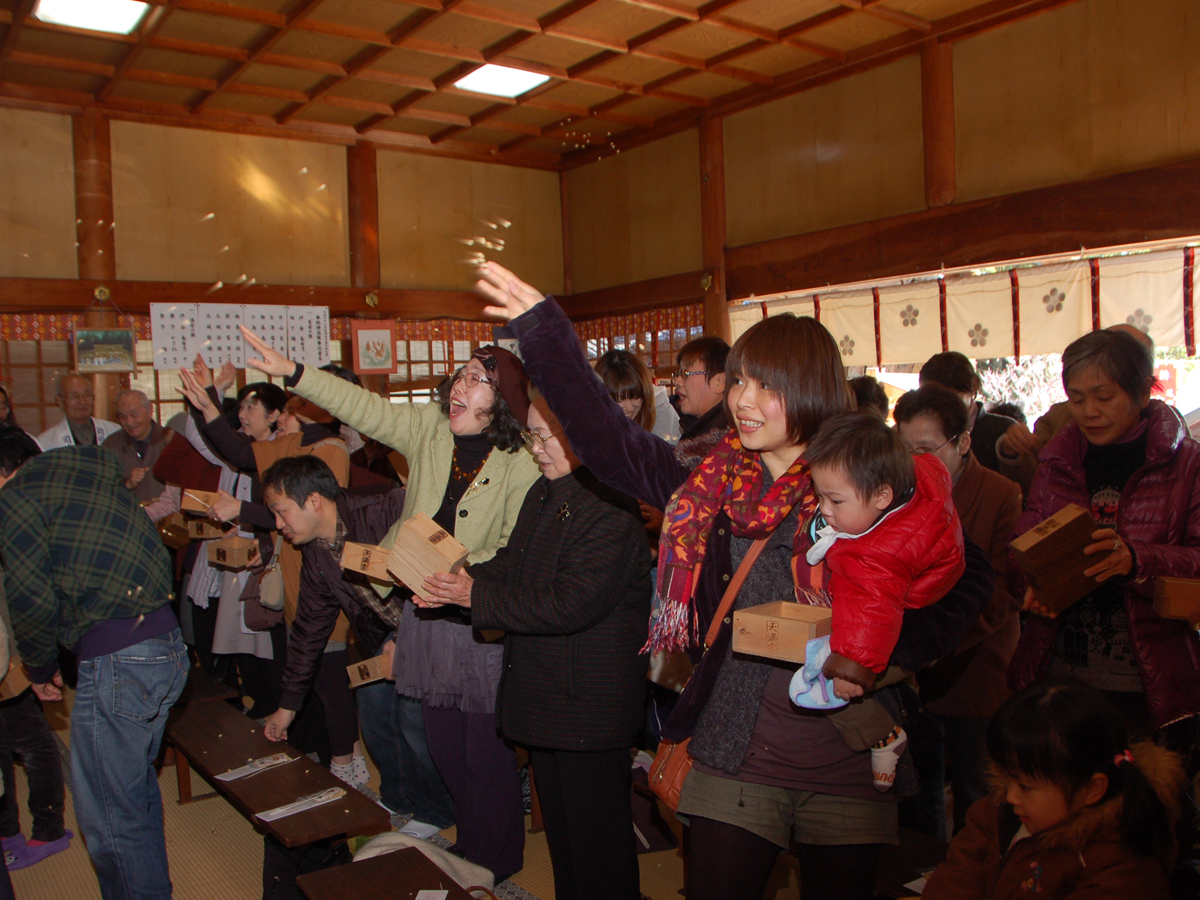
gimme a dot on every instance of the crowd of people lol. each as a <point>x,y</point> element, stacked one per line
<point>608,529</point>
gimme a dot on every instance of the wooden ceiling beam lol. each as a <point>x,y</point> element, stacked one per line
<point>150,27</point>
<point>19,15</point>
<point>299,10</point>
<point>896,17</point>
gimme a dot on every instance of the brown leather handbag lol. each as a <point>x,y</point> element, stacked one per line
<point>672,762</point>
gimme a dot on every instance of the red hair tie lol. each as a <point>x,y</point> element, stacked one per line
<point>1123,757</point>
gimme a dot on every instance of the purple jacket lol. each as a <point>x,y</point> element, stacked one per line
<point>1159,518</point>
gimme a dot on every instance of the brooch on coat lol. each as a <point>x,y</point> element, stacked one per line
<point>564,513</point>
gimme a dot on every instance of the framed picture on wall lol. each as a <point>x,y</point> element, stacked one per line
<point>374,342</point>
<point>105,350</point>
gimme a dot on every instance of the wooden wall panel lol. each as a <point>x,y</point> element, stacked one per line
<point>37,195</point>
<point>845,152</point>
<point>636,215</point>
<point>1086,90</point>
<point>428,203</point>
<point>193,205</point>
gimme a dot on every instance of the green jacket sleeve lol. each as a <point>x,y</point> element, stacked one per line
<point>398,425</point>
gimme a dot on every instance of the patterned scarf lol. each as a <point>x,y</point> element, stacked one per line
<point>731,480</point>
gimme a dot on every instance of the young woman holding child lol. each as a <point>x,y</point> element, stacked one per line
<point>1077,810</point>
<point>763,770</point>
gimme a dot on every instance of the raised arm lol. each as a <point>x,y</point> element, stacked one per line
<point>619,452</point>
<point>396,425</point>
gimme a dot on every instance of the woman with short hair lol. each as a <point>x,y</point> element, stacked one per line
<point>1129,460</point>
<point>764,770</point>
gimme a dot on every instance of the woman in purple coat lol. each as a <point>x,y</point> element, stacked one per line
<point>1129,460</point>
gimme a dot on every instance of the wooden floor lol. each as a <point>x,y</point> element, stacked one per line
<point>215,854</point>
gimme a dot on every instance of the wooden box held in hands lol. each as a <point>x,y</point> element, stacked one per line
<point>424,548</point>
<point>779,630</point>
<point>372,561</point>
<point>1176,598</point>
<point>173,530</point>
<point>368,670</point>
<point>233,552</point>
<point>205,529</point>
<point>1052,558</point>
<point>198,502</point>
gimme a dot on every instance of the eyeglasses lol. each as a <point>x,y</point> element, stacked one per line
<point>535,441</point>
<point>681,375</point>
<point>471,379</point>
<point>75,396</point>
<point>921,451</point>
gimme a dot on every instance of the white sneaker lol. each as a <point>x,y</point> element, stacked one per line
<point>422,830</point>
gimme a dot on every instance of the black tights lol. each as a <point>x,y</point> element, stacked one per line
<point>726,862</point>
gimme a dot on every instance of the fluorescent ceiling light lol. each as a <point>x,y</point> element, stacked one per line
<point>500,81</point>
<point>114,16</point>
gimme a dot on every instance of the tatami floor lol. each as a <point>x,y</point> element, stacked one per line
<point>215,854</point>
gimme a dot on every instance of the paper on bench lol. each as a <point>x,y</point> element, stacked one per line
<point>320,798</point>
<point>257,765</point>
<point>432,895</point>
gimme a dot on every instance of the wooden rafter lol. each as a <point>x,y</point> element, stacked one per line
<point>149,28</point>
<point>299,12</point>
<point>16,22</point>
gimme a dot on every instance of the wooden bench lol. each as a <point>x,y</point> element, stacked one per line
<point>201,688</point>
<point>397,876</point>
<point>215,738</point>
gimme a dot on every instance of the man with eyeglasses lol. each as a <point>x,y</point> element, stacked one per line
<point>79,428</point>
<point>699,382</point>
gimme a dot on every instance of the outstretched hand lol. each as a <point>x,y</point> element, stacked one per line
<point>509,295</point>
<point>196,394</point>
<point>273,362</point>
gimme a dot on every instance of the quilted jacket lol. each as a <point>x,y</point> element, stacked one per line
<point>909,560</point>
<point>1159,518</point>
<point>1080,859</point>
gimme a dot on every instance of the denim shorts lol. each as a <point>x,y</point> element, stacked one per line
<point>776,813</point>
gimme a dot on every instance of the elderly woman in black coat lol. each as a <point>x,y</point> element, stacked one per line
<point>572,589</point>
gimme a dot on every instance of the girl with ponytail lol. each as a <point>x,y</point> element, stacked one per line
<point>1077,810</point>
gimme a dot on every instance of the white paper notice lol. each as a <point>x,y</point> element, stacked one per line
<point>269,323</point>
<point>432,895</point>
<point>218,324</point>
<point>308,335</point>
<point>173,334</point>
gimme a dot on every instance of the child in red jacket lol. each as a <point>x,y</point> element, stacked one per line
<point>891,540</point>
<point>1077,811</point>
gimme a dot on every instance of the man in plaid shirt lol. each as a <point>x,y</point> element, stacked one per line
<point>84,568</point>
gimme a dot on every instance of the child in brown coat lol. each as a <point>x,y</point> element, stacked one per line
<point>1078,813</point>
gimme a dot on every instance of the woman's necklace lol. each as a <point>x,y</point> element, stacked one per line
<point>457,474</point>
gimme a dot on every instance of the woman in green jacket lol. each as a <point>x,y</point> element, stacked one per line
<point>468,472</point>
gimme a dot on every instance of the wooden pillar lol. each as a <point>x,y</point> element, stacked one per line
<point>564,207</point>
<point>712,224</point>
<point>362,204</point>
<point>937,120</point>
<point>96,252</point>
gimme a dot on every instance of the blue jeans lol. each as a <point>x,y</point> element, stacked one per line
<point>117,723</point>
<point>393,727</point>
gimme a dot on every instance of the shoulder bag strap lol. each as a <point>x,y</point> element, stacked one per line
<point>731,592</point>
